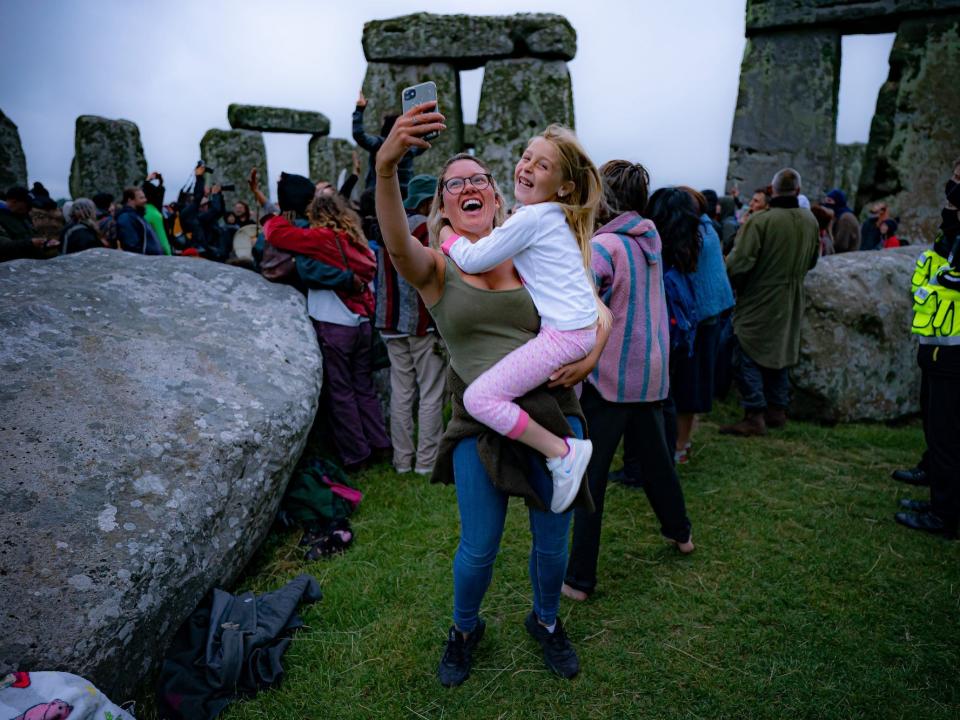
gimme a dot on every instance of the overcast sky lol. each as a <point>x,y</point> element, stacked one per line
<point>654,82</point>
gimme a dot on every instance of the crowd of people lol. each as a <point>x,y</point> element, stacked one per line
<point>651,305</point>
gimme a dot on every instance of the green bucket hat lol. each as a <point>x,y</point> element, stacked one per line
<point>421,187</point>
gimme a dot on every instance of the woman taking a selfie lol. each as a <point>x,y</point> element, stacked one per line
<point>482,318</point>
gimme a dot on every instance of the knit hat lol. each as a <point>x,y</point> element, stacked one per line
<point>294,192</point>
<point>421,187</point>
<point>891,226</point>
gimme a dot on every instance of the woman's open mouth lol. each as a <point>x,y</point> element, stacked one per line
<point>471,205</point>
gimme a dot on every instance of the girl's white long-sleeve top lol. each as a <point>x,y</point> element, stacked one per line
<point>546,255</point>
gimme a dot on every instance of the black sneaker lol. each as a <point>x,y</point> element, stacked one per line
<point>913,476</point>
<point>455,664</point>
<point>558,653</point>
<point>620,476</point>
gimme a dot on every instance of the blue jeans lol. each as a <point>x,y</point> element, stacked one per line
<point>760,386</point>
<point>483,510</point>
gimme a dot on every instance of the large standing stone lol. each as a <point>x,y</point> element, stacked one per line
<point>914,137</point>
<point>13,163</point>
<point>153,409</point>
<point>278,120</point>
<point>382,86</point>
<point>858,359</point>
<point>787,110</point>
<point>109,157</point>
<point>518,99</point>
<point>853,15</point>
<point>468,41</point>
<point>330,158</point>
<point>231,154</point>
<point>847,168</point>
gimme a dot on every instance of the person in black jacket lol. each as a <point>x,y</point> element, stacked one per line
<point>17,236</point>
<point>372,143</point>
<point>82,232</point>
<point>201,218</point>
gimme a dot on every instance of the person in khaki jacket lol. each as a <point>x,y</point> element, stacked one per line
<point>772,255</point>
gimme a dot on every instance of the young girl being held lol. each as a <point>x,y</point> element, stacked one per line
<point>549,240</point>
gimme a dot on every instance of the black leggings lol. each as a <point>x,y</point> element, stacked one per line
<point>607,422</point>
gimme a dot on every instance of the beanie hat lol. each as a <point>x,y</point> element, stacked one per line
<point>294,192</point>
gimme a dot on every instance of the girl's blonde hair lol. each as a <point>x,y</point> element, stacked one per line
<point>580,205</point>
<point>436,221</point>
<point>330,211</point>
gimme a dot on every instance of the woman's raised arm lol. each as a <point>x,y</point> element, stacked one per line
<point>415,263</point>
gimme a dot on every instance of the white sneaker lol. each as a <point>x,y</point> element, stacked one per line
<point>568,472</point>
<point>423,471</point>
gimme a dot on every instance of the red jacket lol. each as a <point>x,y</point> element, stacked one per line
<point>322,244</point>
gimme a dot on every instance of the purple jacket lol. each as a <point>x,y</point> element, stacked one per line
<point>627,264</point>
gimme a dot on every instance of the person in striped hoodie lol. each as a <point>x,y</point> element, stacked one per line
<point>631,379</point>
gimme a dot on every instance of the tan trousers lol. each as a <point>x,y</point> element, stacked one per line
<point>414,364</point>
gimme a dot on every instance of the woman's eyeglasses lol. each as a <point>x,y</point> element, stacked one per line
<point>455,186</point>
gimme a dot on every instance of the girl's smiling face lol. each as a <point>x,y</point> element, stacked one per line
<point>471,212</point>
<point>538,176</point>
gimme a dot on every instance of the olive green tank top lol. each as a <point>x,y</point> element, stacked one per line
<point>480,326</point>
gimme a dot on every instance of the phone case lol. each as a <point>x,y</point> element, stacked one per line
<point>417,94</point>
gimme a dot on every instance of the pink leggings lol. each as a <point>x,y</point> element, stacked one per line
<point>489,398</point>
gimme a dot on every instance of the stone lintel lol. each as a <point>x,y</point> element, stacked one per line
<point>278,120</point>
<point>850,16</point>
<point>468,41</point>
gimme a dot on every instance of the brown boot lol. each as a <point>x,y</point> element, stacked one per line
<point>751,425</point>
<point>775,417</point>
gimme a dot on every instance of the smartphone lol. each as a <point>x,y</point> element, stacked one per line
<point>417,94</point>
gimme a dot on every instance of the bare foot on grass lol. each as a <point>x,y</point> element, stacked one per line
<point>573,593</point>
<point>684,547</point>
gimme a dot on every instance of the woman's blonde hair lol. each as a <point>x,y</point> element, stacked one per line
<point>330,211</point>
<point>580,205</point>
<point>436,221</point>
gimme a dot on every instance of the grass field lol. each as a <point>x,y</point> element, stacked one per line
<point>803,599</point>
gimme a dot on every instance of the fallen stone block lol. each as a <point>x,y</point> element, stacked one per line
<point>153,410</point>
<point>858,358</point>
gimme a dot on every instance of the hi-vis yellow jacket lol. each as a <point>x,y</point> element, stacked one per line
<point>936,300</point>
